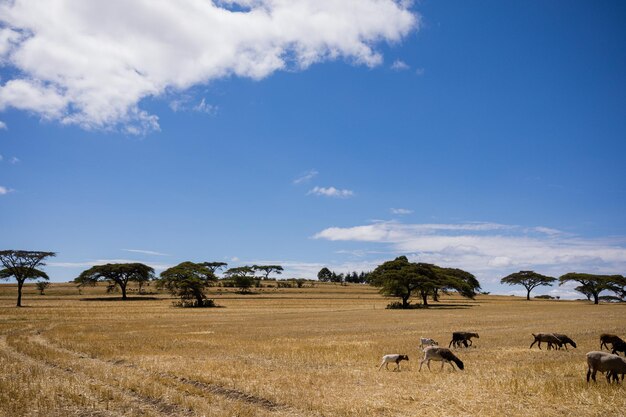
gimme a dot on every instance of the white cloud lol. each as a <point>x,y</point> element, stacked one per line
<point>400,211</point>
<point>490,249</point>
<point>399,65</point>
<point>419,71</point>
<point>91,63</point>
<point>3,126</point>
<point>331,192</point>
<point>305,177</point>
<point>5,190</point>
<point>145,252</point>
<point>88,264</point>
<point>14,160</point>
<point>204,107</point>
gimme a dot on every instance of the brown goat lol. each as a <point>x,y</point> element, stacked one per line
<point>606,338</point>
<point>548,338</point>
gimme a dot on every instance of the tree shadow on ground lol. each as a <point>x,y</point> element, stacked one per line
<point>120,299</point>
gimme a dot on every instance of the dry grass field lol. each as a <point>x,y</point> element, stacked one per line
<point>293,352</point>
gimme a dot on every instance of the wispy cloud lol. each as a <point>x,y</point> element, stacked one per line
<point>399,65</point>
<point>95,74</point>
<point>88,264</point>
<point>331,192</point>
<point>490,248</point>
<point>5,190</point>
<point>3,126</point>
<point>306,176</point>
<point>14,160</point>
<point>400,211</point>
<point>145,252</point>
<point>204,107</point>
<point>419,71</point>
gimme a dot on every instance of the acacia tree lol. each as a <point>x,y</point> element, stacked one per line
<point>41,286</point>
<point>188,280</point>
<point>117,275</point>
<point>590,285</point>
<point>22,265</point>
<point>268,269</point>
<point>242,276</point>
<point>401,278</point>
<point>214,266</point>
<point>529,279</point>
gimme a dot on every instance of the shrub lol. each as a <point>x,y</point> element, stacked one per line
<point>397,305</point>
<point>189,303</point>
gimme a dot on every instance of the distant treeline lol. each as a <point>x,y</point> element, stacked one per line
<point>326,275</point>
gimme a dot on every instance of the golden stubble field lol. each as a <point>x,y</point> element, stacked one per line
<point>293,352</point>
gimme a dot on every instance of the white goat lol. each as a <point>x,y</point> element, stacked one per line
<point>434,353</point>
<point>426,341</point>
<point>393,358</point>
<point>613,365</point>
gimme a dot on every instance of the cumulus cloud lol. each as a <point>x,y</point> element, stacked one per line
<point>331,192</point>
<point>90,63</point>
<point>3,126</point>
<point>490,249</point>
<point>305,177</point>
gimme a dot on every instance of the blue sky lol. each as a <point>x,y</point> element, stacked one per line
<point>488,135</point>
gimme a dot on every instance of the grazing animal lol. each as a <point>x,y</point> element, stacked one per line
<point>425,342</point>
<point>548,338</point>
<point>464,338</point>
<point>435,353</point>
<point>606,338</point>
<point>393,358</point>
<point>619,347</point>
<point>613,365</point>
<point>565,340</point>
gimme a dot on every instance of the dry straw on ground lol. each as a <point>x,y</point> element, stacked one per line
<point>293,352</point>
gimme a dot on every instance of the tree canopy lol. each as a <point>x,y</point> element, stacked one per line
<point>242,276</point>
<point>529,279</point>
<point>324,275</point>
<point>117,275</point>
<point>22,265</point>
<point>188,280</point>
<point>591,285</point>
<point>268,269</point>
<point>214,266</point>
<point>401,278</point>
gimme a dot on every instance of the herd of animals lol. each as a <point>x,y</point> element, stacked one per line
<point>610,363</point>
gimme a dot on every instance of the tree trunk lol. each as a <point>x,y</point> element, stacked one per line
<point>20,284</point>
<point>435,294</point>
<point>596,298</point>
<point>425,298</point>
<point>123,287</point>
<point>527,295</point>
<point>405,301</point>
<point>199,298</point>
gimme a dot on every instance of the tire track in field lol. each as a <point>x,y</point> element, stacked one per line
<point>210,388</point>
<point>158,406</point>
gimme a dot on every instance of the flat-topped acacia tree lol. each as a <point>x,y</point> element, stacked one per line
<point>268,269</point>
<point>590,284</point>
<point>116,275</point>
<point>529,279</point>
<point>22,265</point>
<point>401,278</point>
<point>188,280</point>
